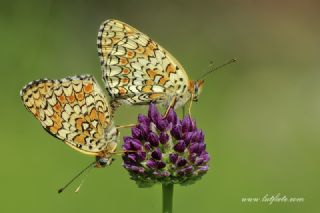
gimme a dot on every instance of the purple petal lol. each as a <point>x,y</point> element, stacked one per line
<point>144,129</point>
<point>165,174</point>
<point>188,169</point>
<point>161,165</point>
<point>143,119</point>
<point>153,139</point>
<point>186,124</point>
<point>172,116</point>
<point>132,157</point>
<point>202,147</point>
<point>162,124</point>
<point>156,174</point>
<point>180,146</point>
<point>156,154</point>
<point>173,157</point>
<point>153,113</point>
<point>198,161</point>
<point>147,146</point>
<point>193,125</point>
<point>126,146</point>
<point>137,169</point>
<point>181,162</point>
<point>197,137</point>
<point>152,164</point>
<point>187,137</point>
<point>125,159</point>
<point>141,156</point>
<point>194,148</point>
<point>136,133</point>
<point>201,137</point>
<point>127,165</point>
<point>135,144</point>
<point>176,132</point>
<point>180,172</point>
<point>205,157</point>
<point>192,157</point>
<point>131,144</point>
<point>127,139</point>
<point>203,168</point>
<point>164,138</point>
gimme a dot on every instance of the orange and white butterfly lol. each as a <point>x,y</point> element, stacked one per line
<point>76,111</point>
<point>137,70</point>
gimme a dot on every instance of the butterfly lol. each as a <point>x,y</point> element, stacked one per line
<point>136,70</point>
<point>76,111</point>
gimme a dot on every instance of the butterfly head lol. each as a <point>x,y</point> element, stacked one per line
<point>102,162</point>
<point>105,157</point>
<point>195,88</point>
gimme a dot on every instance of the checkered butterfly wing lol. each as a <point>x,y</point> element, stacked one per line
<point>137,70</point>
<point>73,110</point>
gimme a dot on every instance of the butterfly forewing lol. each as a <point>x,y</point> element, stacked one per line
<point>74,109</point>
<point>137,70</point>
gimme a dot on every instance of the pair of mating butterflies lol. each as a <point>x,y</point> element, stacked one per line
<point>136,70</point>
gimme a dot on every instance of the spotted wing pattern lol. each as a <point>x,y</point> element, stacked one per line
<point>136,70</point>
<point>74,110</point>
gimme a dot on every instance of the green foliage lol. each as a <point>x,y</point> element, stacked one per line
<point>261,115</point>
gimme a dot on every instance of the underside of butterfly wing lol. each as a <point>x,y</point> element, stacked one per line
<point>74,110</point>
<point>136,70</point>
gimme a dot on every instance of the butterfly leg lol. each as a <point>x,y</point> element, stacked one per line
<point>190,105</point>
<point>123,152</point>
<point>171,105</point>
<point>183,111</point>
<point>126,126</point>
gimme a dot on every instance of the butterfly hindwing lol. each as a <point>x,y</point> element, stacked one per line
<point>74,110</point>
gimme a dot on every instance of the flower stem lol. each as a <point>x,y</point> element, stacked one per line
<point>183,111</point>
<point>167,195</point>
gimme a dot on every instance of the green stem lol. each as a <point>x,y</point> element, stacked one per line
<point>183,111</point>
<point>167,195</point>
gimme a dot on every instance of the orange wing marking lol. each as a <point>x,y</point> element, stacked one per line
<point>88,88</point>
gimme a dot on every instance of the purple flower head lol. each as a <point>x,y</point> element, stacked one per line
<point>165,149</point>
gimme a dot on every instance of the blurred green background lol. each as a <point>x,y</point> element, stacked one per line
<point>261,115</point>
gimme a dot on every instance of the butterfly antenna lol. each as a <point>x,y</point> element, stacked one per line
<point>218,67</point>
<point>83,179</point>
<point>209,66</point>
<point>75,177</point>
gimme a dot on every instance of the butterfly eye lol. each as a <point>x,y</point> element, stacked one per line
<point>104,161</point>
<point>196,88</point>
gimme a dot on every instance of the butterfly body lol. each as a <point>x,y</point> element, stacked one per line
<point>76,111</point>
<point>137,70</point>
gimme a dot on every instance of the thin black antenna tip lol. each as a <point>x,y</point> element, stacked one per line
<point>218,67</point>
<point>75,177</point>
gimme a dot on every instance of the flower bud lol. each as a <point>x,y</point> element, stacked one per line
<point>165,150</point>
